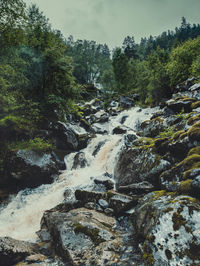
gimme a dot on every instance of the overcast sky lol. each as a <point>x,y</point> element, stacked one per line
<point>110,21</point>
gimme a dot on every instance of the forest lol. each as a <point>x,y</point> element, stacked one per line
<point>43,73</point>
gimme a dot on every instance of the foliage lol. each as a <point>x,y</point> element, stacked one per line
<point>32,144</point>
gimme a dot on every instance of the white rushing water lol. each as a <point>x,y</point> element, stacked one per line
<point>21,218</point>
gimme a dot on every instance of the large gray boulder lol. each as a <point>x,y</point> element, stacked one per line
<point>81,236</point>
<point>168,226</point>
<point>28,168</point>
<point>137,165</point>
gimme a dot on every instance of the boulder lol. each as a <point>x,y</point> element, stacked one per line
<point>82,236</point>
<point>179,106</point>
<point>118,202</point>
<point>119,130</point>
<point>168,227</point>
<point>126,102</point>
<point>28,168</point>
<point>79,160</point>
<point>137,165</point>
<point>137,188</point>
<point>66,139</point>
<point>152,128</point>
<point>13,251</point>
<point>104,180</point>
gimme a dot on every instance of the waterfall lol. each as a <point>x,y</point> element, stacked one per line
<point>20,219</point>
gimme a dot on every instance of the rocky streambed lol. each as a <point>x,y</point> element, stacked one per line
<point>129,194</point>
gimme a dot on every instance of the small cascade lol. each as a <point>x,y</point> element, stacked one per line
<point>20,219</point>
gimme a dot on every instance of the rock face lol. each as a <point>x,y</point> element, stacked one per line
<point>13,251</point>
<point>138,165</point>
<point>82,236</point>
<point>170,226</point>
<point>29,168</point>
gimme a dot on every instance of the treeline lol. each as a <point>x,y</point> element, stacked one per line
<point>155,66</point>
<point>42,73</point>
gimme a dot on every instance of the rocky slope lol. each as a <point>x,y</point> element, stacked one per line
<point>148,215</point>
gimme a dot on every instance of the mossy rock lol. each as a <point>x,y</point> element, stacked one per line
<point>193,119</point>
<point>185,99</point>
<point>195,104</point>
<point>167,229</point>
<point>161,145</point>
<point>191,162</point>
<point>195,150</point>
<point>93,233</point>
<point>179,135</point>
<point>186,186</point>
<point>194,132</point>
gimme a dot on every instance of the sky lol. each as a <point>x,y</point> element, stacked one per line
<point>110,21</point>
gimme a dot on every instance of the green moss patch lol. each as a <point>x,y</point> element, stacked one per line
<point>195,105</point>
<point>32,144</point>
<point>186,186</point>
<point>93,233</point>
<point>193,119</point>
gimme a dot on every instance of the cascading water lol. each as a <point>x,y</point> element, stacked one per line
<point>20,219</point>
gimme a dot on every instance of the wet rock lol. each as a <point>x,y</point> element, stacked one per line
<point>118,202</point>
<point>167,112</point>
<point>99,130</point>
<point>79,161</point>
<point>65,138</point>
<point>185,85</point>
<point>152,128</point>
<point>194,87</point>
<point>13,251</point>
<point>88,196</point>
<point>129,139</point>
<point>137,188</point>
<point>137,165</point>
<point>169,225</point>
<point>28,168</point>
<point>196,184</point>
<point>103,203</point>
<point>119,130</point>
<point>121,203</point>
<point>100,117</point>
<point>82,236</point>
<point>126,102</point>
<point>98,147</point>
<point>123,119</point>
<point>90,205</point>
<point>106,181</point>
<point>178,106</point>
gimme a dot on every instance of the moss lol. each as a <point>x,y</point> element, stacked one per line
<point>179,135</point>
<point>191,162</point>
<point>32,144</point>
<point>186,174</point>
<point>168,132</point>
<point>144,143</point>
<point>195,150</point>
<point>147,254</point>
<point>193,119</point>
<point>195,105</point>
<point>186,186</point>
<point>109,194</point>
<point>93,233</point>
<point>178,221</point>
<point>158,119</point>
<point>185,99</point>
<point>194,133</point>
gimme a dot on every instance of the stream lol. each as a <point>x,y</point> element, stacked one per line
<point>20,219</point>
